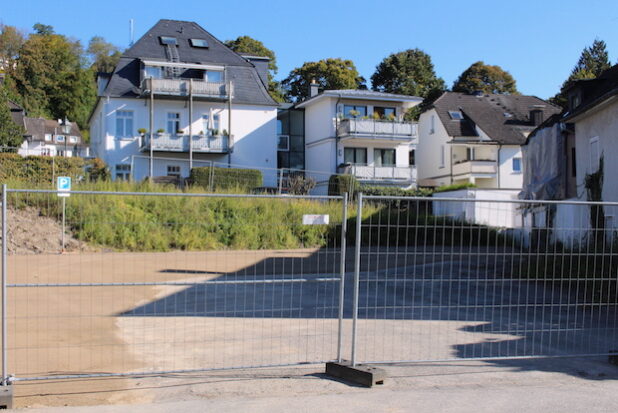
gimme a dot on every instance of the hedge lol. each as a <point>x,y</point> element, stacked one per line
<point>39,169</point>
<point>340,184</point>
<point>225,178</point>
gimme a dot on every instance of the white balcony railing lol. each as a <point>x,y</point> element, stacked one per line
<point>475,167</point>
<point>181,87</point>
<point>367,172</point>
<point>180,143</point>
<point>377,129</point>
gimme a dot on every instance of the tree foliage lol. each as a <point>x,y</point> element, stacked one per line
<point>11,134</point>
<point>410,72</point>
<point>103,55</point>
<point>11,40</point>
<point>593,61</point>
<point>52,79</point>
<point>249,45</point>
<point>332,73</point>
<point>485,78</point>
<point>43,29</point>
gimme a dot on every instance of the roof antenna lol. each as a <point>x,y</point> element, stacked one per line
<point>131,32</point>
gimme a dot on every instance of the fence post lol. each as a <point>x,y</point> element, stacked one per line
<point>344,231</point>
<point>280,181</point>
<point>357,252</point>
<point>4,277</point>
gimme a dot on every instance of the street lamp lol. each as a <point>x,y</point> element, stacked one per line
<point>66,129</point>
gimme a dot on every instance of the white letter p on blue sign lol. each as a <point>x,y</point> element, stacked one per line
<point>64,185</point>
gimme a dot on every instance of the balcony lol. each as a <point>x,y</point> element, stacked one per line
<point>380,173</point>
<point>472,167</point>
<point>377,129</point>
<point>164,142</point>
<point>182,87</point>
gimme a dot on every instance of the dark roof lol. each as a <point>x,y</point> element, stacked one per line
<point>125,81</point>
<point>17,113</point>
<point>504,118</point>
<point>36,128</point>
<point>593,91</point>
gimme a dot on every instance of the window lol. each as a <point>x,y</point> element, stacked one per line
<point>199,43</point>
<point>124,123</point>
<point>432,127</point>
<point>283,143</point>
<point>59,138</point>
<point>353,111</point>
<point>48,137</point>
<point>442,156</point>
<point>60,152</point>
<point>469,154</point>
<point>412,158</point>
<point>152,72</point>
<point>167,40</point>
<point>216,124</point>
<point>213,129</point>
<point>516,164</point>
<point>215,76</point>
<point>455,115</point>
<point>356,156</point>
<point>173,123</point>
<point>123,172</point>
<point>279,127</point>
<point>72,139</point>
<point>573,163</point>
<point>383,112</point>
<point>173,170</point>
<point>595,155</point>
<point>384,157</point>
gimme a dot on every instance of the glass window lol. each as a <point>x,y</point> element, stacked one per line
<point>48,137</point>
<point>412,159</point>
<point>284,143</point>
<point>73,139</point>
<point>442,155</point>
<point>59,138</point>
<point>152,72</point>
<point>455,114</point>
<point>469,154</point>
<point>199,43</point>
<point>279,127</point>
<point>516,164</point>
<point>168,40</point>
<point>205,124</point>
<point>123,172</point>
<point>356,156</point>
<point>354,111</point>
<point>173,123</point>
<point>124,123</point>
<point>432,128</point>
<point>173,170</point>
<point>573,163</point>
<point>215,76</point>
<point>384,112</point>
<point>216,124</point>
<point>384,157</point>
<point>594,154</point>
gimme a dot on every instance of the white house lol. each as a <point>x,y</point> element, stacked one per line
<point>360,132</point>
<point>180,98</point>
<point>45,137</point>
<point>477,139</point>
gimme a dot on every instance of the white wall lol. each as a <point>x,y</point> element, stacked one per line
<point>510,179</point>
<point>428,152</point>
<point>482,211</point>
<point>253,129</point>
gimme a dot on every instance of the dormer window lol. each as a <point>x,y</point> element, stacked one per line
<point>215,76</point>
<point>151,72</point>
<point>167,40</point>
<point>455,115</point>
<point>199,43</point>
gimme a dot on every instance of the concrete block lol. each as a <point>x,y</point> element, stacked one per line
<point>364,375</point>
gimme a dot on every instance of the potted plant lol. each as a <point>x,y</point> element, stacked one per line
<point>141,131</point>
<point>215,132</point>
<point>180,132</point>
<point>390,117</point>
<point>225,133</point>
<point>376,116</point>
<point>160,131</point>
<point>201,133</point>
<point>354,113</point>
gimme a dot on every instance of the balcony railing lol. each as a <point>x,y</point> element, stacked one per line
<point>367,172</point>
<point>181,87</point>
<point>475,167</point>
<point>369,128</point>
<point>180,143</point>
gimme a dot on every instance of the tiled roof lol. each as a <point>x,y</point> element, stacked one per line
<point>504,118</point>
<point>125,81</point>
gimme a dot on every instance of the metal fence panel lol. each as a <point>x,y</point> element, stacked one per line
<point>442,280</point>
<point>155,283</point>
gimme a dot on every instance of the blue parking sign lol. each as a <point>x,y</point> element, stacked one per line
<point>64,185</point>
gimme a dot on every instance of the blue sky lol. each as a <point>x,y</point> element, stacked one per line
<point>538,41</point>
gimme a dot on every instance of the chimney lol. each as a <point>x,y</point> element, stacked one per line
<point>313,88</point>
<point>536,115</point>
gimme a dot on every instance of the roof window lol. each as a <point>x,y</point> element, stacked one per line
<point>167,40</point>
<point>455,115</point>
<point>199,43</point>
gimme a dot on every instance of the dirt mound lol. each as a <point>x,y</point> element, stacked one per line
<point>31,233</point>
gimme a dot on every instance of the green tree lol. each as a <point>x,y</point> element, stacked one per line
<point>51,78</point>
<point>593,61</point>
<point>11,40</point>
<point>103,55</point>
<point>332,73</point>
<point>43,29</point>
<point>249,45</point>
<point>485,78</point>
<point>410,72</point>
<point>11,134</point>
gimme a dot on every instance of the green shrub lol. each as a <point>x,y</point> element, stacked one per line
<point>340,184</point>
<point>213,178</point>
<point>453,187</point>
<point>394,191</point>
<point>38,169</point>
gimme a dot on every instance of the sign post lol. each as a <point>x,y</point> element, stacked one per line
<point>64,191</point>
